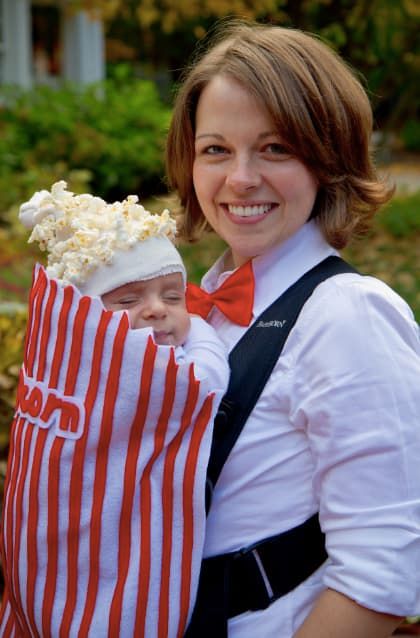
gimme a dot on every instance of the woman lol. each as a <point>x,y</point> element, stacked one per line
<point>269,147</point>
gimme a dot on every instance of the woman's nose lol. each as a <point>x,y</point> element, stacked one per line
<point>243,175</point>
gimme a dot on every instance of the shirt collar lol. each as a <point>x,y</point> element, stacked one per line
<point>216,275</point>
<point>280,267</point>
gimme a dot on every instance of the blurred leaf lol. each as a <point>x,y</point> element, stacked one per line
<point>108,136</point>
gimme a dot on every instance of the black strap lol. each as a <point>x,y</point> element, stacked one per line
<point>251,579</point>
<point>253,359</point>
<point>271,568</point>
<point>236,582</point>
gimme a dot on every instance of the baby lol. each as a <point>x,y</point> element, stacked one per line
<point>125,255</point>
<point>104,512</point>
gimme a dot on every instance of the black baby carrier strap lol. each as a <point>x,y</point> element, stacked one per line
<point>253,577</point>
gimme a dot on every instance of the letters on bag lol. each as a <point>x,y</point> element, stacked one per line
<point>47,407</point>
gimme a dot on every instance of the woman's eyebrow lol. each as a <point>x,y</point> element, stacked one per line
<point>268,134</point>
<point>217,135</point>
<point>220,137</point>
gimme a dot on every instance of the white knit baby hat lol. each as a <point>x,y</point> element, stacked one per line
<point>98,246</point>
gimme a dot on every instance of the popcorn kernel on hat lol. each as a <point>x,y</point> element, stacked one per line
<point>147,259</point>
<point>98,246</point>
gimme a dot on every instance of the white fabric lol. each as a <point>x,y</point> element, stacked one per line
<point>104,510</point>
<point>144,260</point>
<point>204,349</point>
<point>30,212</point>
<point>336,430</point>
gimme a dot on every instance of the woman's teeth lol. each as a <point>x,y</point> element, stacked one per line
<point>249,211</point>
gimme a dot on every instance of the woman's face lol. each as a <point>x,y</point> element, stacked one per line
<point>253,193</point>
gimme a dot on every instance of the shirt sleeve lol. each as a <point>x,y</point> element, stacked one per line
<point>208,353</point>
<point>358,396</point>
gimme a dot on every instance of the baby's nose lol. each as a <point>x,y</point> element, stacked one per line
<point>154,308</point>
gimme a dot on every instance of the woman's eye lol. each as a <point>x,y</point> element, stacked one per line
<point>277,149</point>
<point>214,149</point>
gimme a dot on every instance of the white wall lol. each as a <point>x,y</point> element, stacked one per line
<point>83,49</point>
<point>16,42</point>
<point>83,46</point>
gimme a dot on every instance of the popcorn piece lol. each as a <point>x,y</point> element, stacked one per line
<point>83,232</point>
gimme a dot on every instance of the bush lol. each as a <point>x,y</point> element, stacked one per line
<point>12,333</point>
<point>410,135</point>
<point>390,252</point>
<point>113,132</point>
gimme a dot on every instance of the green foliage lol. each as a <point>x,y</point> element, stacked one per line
<point>12,333</point>
<point>378,37</point>
<point>401,218</point>
<point>391,251</point>
<point>17,186</point>
<point>410,135</point>
<point>108,135</point>
<point>199,257</point>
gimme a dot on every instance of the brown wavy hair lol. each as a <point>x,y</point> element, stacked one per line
<point>318,106</point>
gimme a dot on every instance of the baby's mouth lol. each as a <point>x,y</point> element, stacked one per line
<point>162,336</point>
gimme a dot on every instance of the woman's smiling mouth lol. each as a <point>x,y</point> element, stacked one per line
<point>248,213</point>
<point>249,210</point>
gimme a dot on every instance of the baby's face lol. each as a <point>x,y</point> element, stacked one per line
<point>158,303</point>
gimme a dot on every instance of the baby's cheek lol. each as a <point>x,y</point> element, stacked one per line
<point>136,320</point>
<point>185,326</point>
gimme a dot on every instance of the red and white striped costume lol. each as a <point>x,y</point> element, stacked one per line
<point>104,515</point>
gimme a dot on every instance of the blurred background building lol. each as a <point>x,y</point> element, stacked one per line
<point>43,42</point>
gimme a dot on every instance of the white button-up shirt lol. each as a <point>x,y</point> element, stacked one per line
<point>336,430</point>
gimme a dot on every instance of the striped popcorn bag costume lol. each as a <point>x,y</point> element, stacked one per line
<point>104,507</point>
<point>104,513</point>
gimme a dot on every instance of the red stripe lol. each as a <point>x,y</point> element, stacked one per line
<point>199,428</point>
<point>145,496</point>
<point>32,296</point>
<point>33,504</point>
<point>9,511</point>
<point>46,331</point>
<point>130,479</point>
<point>8,504</point>
<point>9,625</point>
<point>10,488</point>
<point>5,607</point>
<point>101,473</point>
<point>18,528</point>
<point>52,535</point>
<point>9,629</point>
<point>9,462</point>
<point>76,481</point>
<point>61,336</point>
<point>31,545</point>
<point>54,469</point>
<point>76,345</point>
<point>33,340</point>
<point>167,502</point>
<point>32,542</point>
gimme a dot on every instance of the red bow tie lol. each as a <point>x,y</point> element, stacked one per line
<point>234,298</point>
